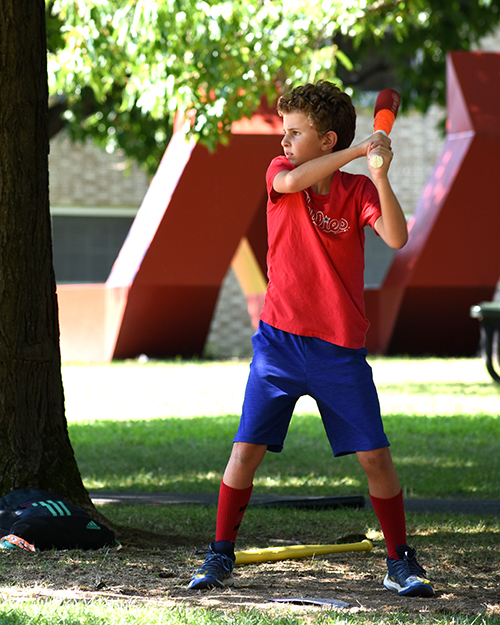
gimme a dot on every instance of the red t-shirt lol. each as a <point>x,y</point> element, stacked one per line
<point>316,257</point>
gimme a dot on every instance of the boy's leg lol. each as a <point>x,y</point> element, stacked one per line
<point>386,496</point>
<point>236,489</point>
<point>405,575</point>
<point>234,496</point>
<point>266,414</point>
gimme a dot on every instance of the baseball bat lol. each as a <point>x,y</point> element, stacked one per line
<point>297,551</point>
<point>386,109</point>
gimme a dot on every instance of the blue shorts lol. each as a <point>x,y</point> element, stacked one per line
<point>285,367</point>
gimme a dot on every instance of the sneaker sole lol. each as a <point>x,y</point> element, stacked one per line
<point>417,590</point>
<point>210,582</point>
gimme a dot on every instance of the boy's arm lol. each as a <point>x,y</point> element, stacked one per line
<point>311,172</point>
<point>391,226</point>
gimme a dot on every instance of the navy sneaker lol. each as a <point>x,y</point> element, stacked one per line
<point>215,572</point>
<point>406,576</point>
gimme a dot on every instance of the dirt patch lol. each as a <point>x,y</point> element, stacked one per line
<point>153,568</point>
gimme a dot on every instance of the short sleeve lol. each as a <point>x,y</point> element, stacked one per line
<point>280,163</point>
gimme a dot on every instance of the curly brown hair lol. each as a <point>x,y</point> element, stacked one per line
<point>327,108</point>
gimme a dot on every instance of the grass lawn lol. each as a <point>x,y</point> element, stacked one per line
<point>168,426</point>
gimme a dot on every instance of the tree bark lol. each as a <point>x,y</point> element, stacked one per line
<point>35,450</point>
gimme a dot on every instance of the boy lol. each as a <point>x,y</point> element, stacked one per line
<point>312,328</point>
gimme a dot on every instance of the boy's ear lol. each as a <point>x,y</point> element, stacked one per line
<point>330,140</point>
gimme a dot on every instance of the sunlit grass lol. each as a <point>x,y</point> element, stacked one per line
<point>125,613</point>
<point>129,391</point>
<point>169,426</point>
<point>307,481</point>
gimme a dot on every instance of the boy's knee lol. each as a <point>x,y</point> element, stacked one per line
<point>244,460</point>
<point>248,454</point>
<point>376,459</point>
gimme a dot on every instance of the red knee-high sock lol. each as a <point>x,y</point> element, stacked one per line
<point>391,516</point>
<point>231,508</point>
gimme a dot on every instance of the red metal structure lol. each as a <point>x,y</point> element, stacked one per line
<point>198,208</point>
<point>452,259</point>
<point>160,296</point>
<point>202,211</point>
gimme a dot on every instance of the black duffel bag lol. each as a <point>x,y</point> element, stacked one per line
<point>46,521</point>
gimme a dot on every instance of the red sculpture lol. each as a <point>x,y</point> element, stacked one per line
<point>161,293</point>
<point>452,258</point>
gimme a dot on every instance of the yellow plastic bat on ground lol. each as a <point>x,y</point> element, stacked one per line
<point>297,551</point>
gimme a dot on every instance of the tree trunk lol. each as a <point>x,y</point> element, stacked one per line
<point>35,450</point>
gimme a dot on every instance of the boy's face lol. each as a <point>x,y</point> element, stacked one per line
<point>301,142</point>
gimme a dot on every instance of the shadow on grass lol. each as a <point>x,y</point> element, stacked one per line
<point>448,457</point>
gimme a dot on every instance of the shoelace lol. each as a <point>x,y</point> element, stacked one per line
<point>214,560</point>
<point>415,567</point>
<point>410,565</point>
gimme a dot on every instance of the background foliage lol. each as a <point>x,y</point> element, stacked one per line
<point>120,70</point>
